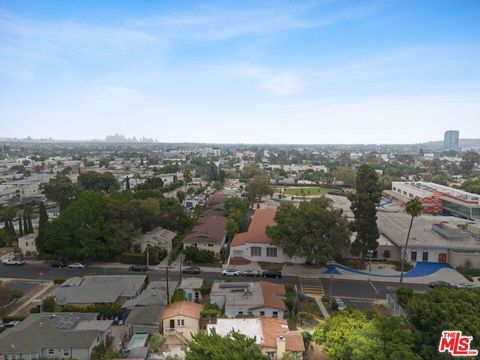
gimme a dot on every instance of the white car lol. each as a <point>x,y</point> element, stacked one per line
<point>340,304</point>
<point>77,265</point>
<point>13,262</point>
<point>251,273</point>
<point>231,272</point>
<point>465,286</point>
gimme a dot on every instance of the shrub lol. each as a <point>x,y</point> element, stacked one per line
<point>59,280</point>
<point>140,259</point>
<point>49,305</point>
<point>213,311</point>
<point>404,295</point>
<point>206,288</point>
<point>178,296</point>
<point>197,255</point>
<point>386,254</point>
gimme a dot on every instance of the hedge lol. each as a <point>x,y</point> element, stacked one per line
<point>197,255</point>
<point>7,319</point>
<point>155,256</point>
<point>59,280</point>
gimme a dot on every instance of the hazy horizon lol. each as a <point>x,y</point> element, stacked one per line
<point>268,72</point>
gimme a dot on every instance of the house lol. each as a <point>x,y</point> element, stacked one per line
<point>181,320</point>
<point>255,245</point>
<point>158,237</point>
<point>146,308</point>
<point>209,234</point>
<point>262,298</point>
<point>105,289</point>
<point>272,335</point>
<point>191,287</point>
<point>27,244</point>
<point>55,336</point>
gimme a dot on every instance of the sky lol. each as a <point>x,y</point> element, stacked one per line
<point>312,72</point>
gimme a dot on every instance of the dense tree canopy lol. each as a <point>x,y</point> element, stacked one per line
<point>350,335</point>
<point>97,227</point>
<point>258,187</point>
<point>314,230</point>
<point>364,202</point>
<point>100,182</point>
<point>60,189</point>
<point>215,347</point>
<point>472,185</point>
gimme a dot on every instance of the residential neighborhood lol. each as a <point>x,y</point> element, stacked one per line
<point>239,180</point>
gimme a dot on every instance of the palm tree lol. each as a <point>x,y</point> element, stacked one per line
<point>187,177</point>
<point>413,207</point>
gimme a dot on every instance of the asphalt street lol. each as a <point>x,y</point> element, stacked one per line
<point>351,290</point>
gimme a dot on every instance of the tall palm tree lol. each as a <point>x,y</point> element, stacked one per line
<point>413,207</point>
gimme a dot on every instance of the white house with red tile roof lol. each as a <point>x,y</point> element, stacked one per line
<point>272,335</point>
<point>255,245</point>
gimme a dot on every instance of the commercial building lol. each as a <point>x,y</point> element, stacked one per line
<point>438,199</point>
<point>451,139</point>
<point>54,336</point>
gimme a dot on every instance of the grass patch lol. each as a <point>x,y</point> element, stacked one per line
<point>271,266</point>
<point>307,191</point>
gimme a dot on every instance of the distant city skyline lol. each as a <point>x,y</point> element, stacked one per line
<point>289,72</point>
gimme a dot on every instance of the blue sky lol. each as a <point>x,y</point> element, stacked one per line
<point>254,72</point>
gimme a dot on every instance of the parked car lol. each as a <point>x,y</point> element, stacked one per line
<point>340,304</point>
<point>439,283</point>
<point>192,270</point>
<point>251,273</point>
<point>138,268</point>
<point>57,264</point>
<point>14,261</point>
<point>231,272</point>
<point>77,265</point>
<point>465,286</point>
<point>3,327</point>
<point>331,264</point>
<point>12,324</point>
<point>272,274</point>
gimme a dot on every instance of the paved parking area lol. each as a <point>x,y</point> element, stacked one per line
<point>23,285</point>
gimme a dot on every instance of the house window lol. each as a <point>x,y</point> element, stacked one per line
<point>414,256</point>
<point>180,322</point>
<point>210,245</point>
<point>271,354</point>
<point>262,313</point>
<point>272,252</point>
<point>13,357</point>
<point>256,251</point>
<point>240,313</point>
<point>51,351</point>
<point>66,352</point>
<point>275,314</point>
<point>26,243</point>
<point>425,256</point>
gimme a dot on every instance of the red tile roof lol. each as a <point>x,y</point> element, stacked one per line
<point>272,295</point>
<point>273,328</point>
<point>183,308</point>
<point>256,231</point>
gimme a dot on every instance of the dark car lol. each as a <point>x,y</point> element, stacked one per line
<point>57,264</point>
<point>138,268</point>
<point>192,270</point>
<point>272,274</point>
<point>439,283</point>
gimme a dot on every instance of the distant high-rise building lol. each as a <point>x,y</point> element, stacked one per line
<point>450,139</point>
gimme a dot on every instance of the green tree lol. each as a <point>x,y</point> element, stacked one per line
<point>469,159</point>
<point>49,305</point>
<point>187,177</point>
<point>235,346</point>
<point>472,185</point>
<point>60,189</point>
<point>315,230</point>
<point>181,196</point>
<point>42,227</point>
<point>99,182</point>
<point>258,187</point>
<point>20,227</point>
<point>345,175</point>
<point>364,202</point>
<point>414,208</point>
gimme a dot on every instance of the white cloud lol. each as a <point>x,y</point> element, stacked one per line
<point>275,82</point>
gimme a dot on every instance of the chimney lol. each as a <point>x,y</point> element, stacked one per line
<point>281,347</point>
